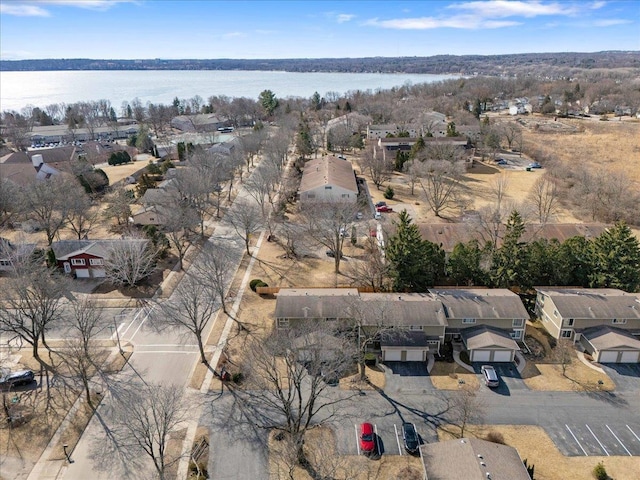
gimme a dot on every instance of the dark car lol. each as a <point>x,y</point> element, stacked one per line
<point>534,165</point>
<point>367,439</point>
<point>15,379</point>
<point>381,204</point>
<point>410,437</point>
<point>331,253</point>
<point>501,161</point>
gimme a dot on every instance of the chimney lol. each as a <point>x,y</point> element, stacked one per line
<point>37,162</point>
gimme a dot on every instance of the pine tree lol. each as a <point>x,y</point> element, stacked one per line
<point>616,259</point>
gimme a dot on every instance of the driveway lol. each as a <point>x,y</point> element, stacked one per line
<point>510,379</point>
<point>407,377</point>
<point>626,376</point>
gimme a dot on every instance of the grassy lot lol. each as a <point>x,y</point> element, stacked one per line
<point>451,376</point>
<point>534,445</point>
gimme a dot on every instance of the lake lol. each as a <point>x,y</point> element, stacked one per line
<point>19,89</point>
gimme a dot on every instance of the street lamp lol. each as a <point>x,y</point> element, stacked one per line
<point>115,324</point>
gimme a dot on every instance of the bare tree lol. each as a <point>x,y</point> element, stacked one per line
<point>33,304</point>
<point>465,408</point>
<point>10,198</point>
<point>373,271</point>
<point>215,270</point>
<point>544,198</point>
<point>442,185</point>
<point>290,236</point>
<point>286,381</point>
<point>414,170</point>
<point>246,219</point>
<point>262,186</point>
<point>145,417</point>
<point>130,260</point>
<point>191,310</point>
<point>82,354</point>
<point>81,215</point>
<point>46,203</point>
<point>251,145</point>
<point>376,165</point>
<point>118,205</point>
<point>512,133</point>
<point>328,224</point>
<point>563,353</point>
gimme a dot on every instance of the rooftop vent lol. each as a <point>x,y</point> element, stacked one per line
<point>480,456</point>
<point>483,464</point>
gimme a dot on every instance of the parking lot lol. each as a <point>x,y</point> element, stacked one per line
<point>596,439</point>
<point>388,440</point>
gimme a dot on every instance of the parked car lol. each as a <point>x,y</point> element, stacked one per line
<point>381,204</point>
<point>501,161</point>
<point>534,165</point>
<point>359,216</point>
<point>14,379</point>
<point>331,253</point>
<point>384,209</point>
<point>367,438</point>
<point>342,157</point>
<point>410,437</point>
<point>377,216</point>
<point>490,376</point>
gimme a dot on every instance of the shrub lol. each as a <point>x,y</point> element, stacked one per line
<point>599,472</point>
<point>495,437</point>
<point>237,377</point>
<point>389,193</point>
<point>253,283</point>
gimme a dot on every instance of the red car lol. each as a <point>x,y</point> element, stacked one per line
<point>384,208</point>
<point>367,441</point>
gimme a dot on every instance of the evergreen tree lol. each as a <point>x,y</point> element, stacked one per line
<point>510,262</point>
<point>616,259</point>
<point>451,130</point>
<point>304,142</point>
<point>464,265</point>
<point>573,262</point>
<point>416,264</point>
<point>416,149</point>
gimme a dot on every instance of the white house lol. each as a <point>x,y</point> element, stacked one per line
<point>328,179</point>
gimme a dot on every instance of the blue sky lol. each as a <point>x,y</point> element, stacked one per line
<point>297,29</point>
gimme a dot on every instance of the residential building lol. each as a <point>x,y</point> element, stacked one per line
<point>10,253</point>
<point>328,179</point>
<point>391,145</point>
<point>581,315</point>
<point>198,123</point>
<point>471,459</point>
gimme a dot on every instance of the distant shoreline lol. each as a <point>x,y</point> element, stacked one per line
<point>439,64</point>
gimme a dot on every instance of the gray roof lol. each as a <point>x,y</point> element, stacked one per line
<point>404,339</point>
<point>594,303</point>
<point>481,303</point>
<point>604,337</point>
<point>482,336</point>
<point>472,459</point>
<point>313,302</point>
<point>328,171</point>
<point>99,248</point>
<point>402,309</point>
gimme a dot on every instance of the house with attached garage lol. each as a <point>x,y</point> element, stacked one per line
<point>328,179</point>
<point>605,322</point>
<point>12,253</point>
<point>85,258</point>
<point>413,325</point>
<point>487,320</point>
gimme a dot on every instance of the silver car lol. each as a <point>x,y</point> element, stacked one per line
<point>490,376</point>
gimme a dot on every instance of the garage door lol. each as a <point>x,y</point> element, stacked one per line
<point>629,357</point>
<point>415,355</point>
<point>481,356</point>
<point>502,356</point>
<point>608,357</point>
<point>392,355</point>
<point>82,273</point>
<point>98,273</point>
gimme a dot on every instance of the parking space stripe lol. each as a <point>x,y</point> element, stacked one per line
<point>599,442</point>
<point>576,439</point>
<point>357,438</point>
<point>619,441</point>
<point>397,439</point>
<point>634,433</point>
<point>375,429</point>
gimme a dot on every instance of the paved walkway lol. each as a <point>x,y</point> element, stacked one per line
<point>457,348</point>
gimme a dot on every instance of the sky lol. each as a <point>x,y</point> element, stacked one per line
<point>142,29</point>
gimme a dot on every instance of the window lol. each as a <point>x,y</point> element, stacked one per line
<point>95,261</point>
<point>619,321</point>
<point>327,187</point>
<point>566,333</point>
<point>555,313</point>
<point>416,327</point>
<point>311,195</point>
<point>517,322</point>
<point>570,322</point>
<point>283,323</point>
<point>345,195</point>
<point>77,261</point>
<point>331,319</point>
<point>517,334</point>
<point>468,320</point>
<point>5,263</point>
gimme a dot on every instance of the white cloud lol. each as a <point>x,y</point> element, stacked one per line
<point>233,35</point>
<point>611,22</point>
<point>464,22</point>
<point>597,5</point>
<point>22,10</point>
<point>508,8</point>
<point>344,17</point>
<point>87,4</point>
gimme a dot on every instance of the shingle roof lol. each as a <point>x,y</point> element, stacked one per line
<point>472,459</point>
<point>65,249</point>
<point>483,303</point>
<point>328,171</point>
<point>313,302</point>
<point>482,336</point>
<point>595,303</point>
<point>604,337</point>
<point>402,309</point>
